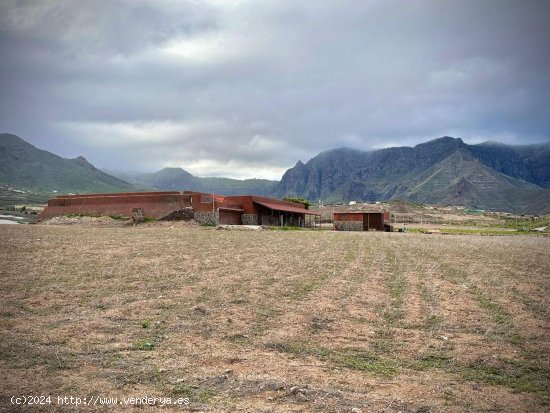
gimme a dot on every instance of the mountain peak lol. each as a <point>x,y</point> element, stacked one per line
<point>444,140</point>
<point>25,166</point>
<point>492,143</point>
<point>173,174</point>
<point>81,159</point>
<point>10,136</point>
<point>11,140</point>
<point>172,168</point>
<point>84,162</point>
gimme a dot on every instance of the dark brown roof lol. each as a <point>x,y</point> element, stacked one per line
<point>359,212</point>
<point>286,208</point>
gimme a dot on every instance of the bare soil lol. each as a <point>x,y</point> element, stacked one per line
<point>274,321</point>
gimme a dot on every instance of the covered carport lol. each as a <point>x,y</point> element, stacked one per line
<point>275,214</point>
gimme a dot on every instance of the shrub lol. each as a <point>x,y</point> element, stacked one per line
<point>303,201</point>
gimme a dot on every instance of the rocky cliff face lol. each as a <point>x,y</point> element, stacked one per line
<point>348,174</point>
<point>530,163</point>
<point>445,171</point>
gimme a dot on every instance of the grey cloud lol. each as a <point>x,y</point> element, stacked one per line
<point>246,88</point>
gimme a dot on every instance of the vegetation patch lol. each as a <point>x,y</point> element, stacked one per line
<point>353,359</point>
<point>302,289</point>
<point>305,202</point>
<point>193,392</point>
<point>514,374</point>
<point>397,285</point>
<point>384,341</point>
<point>517,375</point>
<point>118,217</point>
<point>145,344</point>
<point>540,309</point>
<point>81,215</point>
<point>287,228</point>
<point>498,313</point>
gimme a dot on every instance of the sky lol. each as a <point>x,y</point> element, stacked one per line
<point>246,88</point>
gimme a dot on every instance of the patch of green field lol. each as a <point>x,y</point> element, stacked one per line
<point>514,374</point>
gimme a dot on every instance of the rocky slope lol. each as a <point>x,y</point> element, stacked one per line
<point>443,171</point>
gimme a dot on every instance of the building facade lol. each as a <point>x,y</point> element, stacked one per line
<point>360,221</point>
<point>206,209</point>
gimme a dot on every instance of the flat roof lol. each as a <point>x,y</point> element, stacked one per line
<point>118,194</point>
<point>286,208</point>
<point>359,212</point>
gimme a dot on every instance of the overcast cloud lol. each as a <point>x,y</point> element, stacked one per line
<point>246,88</point>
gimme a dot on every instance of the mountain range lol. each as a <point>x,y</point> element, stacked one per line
<point>444,171</point>
<point>177,179</point>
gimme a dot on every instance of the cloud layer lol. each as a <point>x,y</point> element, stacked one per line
<point>246,88</point>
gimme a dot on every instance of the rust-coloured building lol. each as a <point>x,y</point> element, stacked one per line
<point>360,221</point>
<point>206,208</point>
<point>154,204</point>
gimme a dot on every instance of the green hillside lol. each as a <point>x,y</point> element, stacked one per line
<point>24,166</point>
<point>170,179</point>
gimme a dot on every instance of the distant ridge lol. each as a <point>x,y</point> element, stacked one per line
<point>444,171</point>
<point>179,179</point>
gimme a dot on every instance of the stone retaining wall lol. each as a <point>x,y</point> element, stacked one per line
<point>348,225</point>
<point>206,218</point>
<point>249,219</point>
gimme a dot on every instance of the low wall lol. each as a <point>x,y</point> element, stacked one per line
<point>153,205</point>
<point>249,219</point>
<point>348,225</point>
<point>206,218</point>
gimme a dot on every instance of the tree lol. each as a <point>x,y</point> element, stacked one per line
<point>303,201</point>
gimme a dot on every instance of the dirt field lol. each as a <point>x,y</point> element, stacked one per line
<point>274,321</point>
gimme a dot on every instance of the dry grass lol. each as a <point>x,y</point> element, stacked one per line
<point>235,320</point>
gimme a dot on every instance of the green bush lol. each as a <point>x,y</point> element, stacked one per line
<point>303,201</point>
<point>145,345</point>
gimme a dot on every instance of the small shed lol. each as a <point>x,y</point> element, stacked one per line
<point>359,221</point>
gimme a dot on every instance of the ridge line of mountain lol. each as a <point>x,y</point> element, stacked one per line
<point>446,170</point>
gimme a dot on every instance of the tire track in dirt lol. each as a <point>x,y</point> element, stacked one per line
<point>459,318</point>
<point>313,305</point>
<point>483,323</point>
<point>515,332</point>
<point>420,327</point>
<point>519,294</point>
